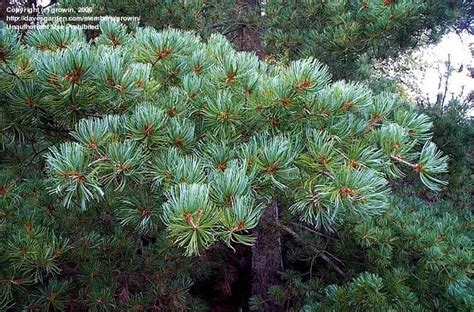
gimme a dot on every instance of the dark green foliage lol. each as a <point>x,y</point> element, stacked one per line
<point>158,14</point>
<point>202,16</point>
<point>339,32</point>
<point>414,257</point>
<point>453,131</point>
<point>423,256</point>
<point>342,34</point>
<point>55,259</point>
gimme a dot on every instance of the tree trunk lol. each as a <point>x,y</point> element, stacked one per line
<point>266,257</point>
<point>248,37</point>
<point>266,253</point>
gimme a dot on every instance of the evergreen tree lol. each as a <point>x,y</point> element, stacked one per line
<point>174,140</point>
<point>121,85</point>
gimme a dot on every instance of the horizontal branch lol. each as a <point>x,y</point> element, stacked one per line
<point>319,253</point>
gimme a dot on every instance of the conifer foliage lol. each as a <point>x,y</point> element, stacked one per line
<point>337,32</point>
<point>158,146</point>
<point>340,32</point>
<point>412,257</point>
<point>211,133</point>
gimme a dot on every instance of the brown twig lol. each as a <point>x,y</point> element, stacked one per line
<point>400,160</point>
<point>318,253</point>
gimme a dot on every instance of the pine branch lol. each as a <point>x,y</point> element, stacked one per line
<point>309,229</point>
<point>318,253</point>
<point>400,160</point>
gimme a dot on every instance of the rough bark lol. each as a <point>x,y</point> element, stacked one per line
<point>266,257</point>
<point>248,37</point>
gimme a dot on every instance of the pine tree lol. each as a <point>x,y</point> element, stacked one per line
<point>344,33</point>
<point>227,133</point>
<point>171,138</point>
